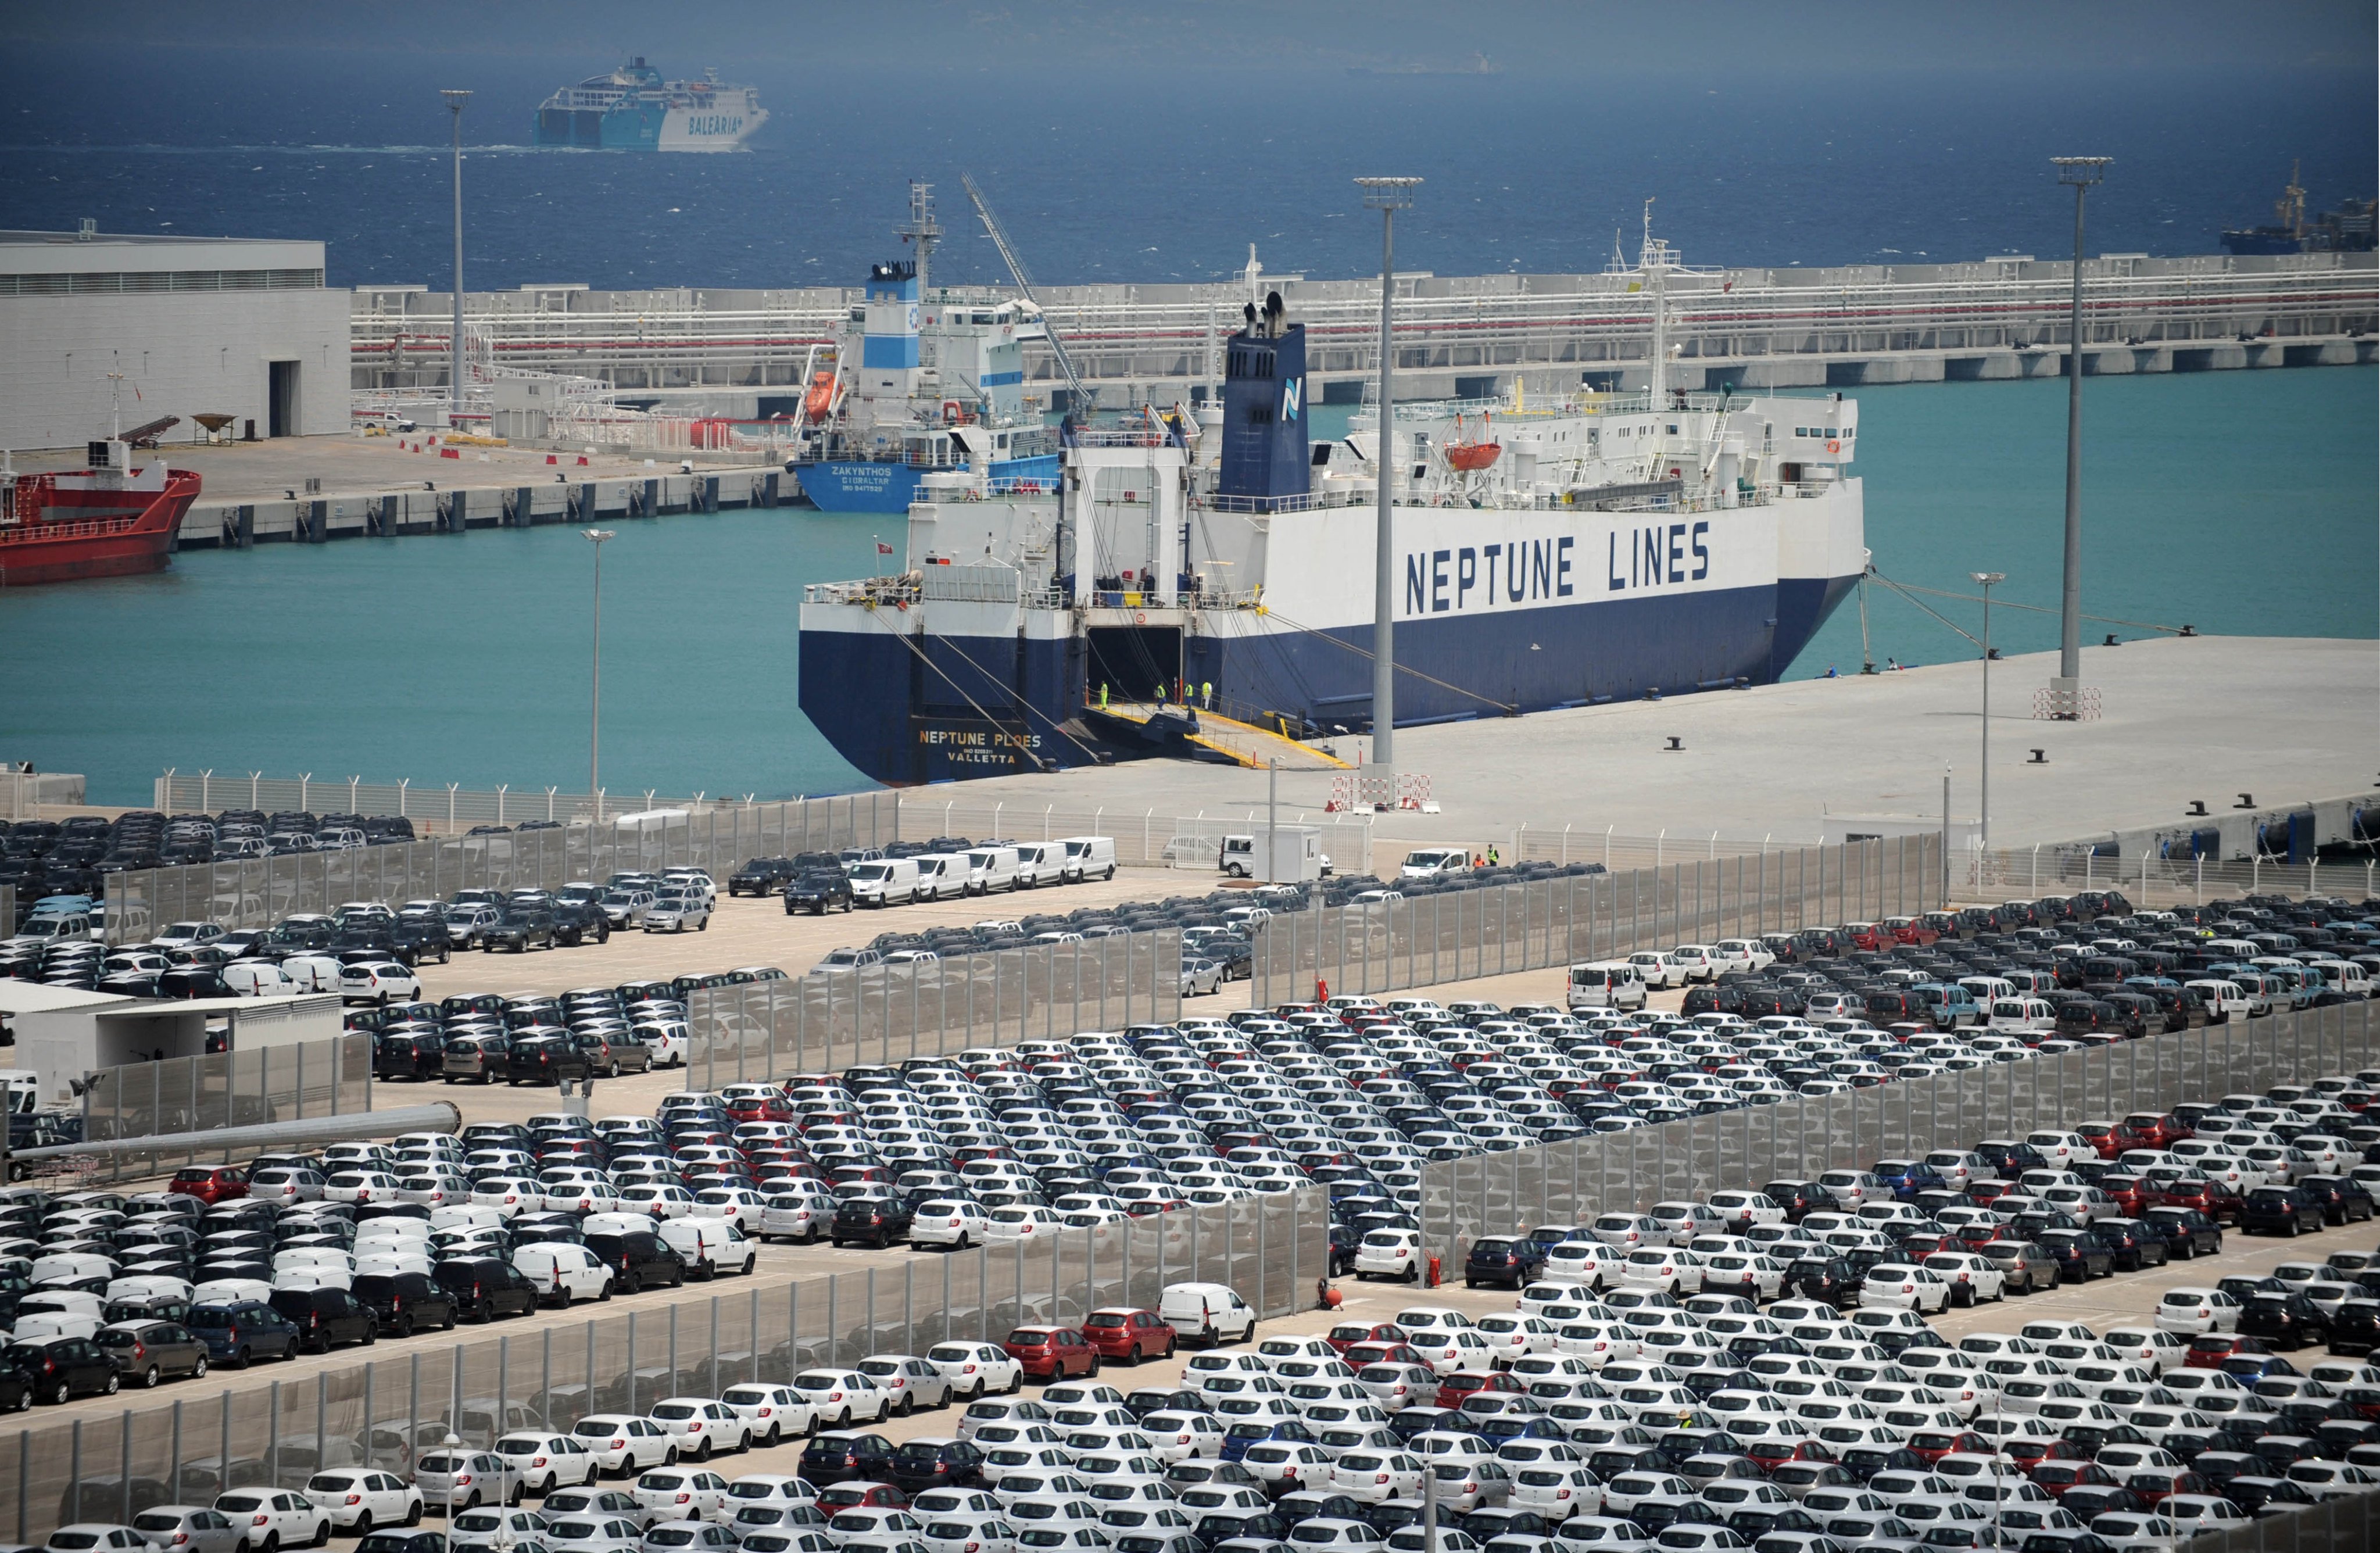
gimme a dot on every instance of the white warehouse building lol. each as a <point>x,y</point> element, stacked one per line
<point>227,326</point>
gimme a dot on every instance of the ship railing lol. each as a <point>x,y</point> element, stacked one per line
<point>867,591</point>
<point>1021,485</point>
<point>1309,502</point>
<point>1117,436</point>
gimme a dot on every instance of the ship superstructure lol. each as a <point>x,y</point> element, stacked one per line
<point>1548,554</point>
<point>632,108</point>
<point>927,377</point>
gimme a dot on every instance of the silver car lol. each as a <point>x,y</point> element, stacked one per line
<point>188,1528</point>
<point>466,1480</point>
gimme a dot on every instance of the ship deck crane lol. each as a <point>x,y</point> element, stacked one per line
<point>1083,402</point>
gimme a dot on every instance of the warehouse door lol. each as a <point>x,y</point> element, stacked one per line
<point>281,413</point>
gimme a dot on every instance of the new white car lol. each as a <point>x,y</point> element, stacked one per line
<point>682,1494</point>
<point>378,981</point>
<point>356,1501</point>
<point>624,1442</point>
<point>976,1368</point>
<point>1393,1254</point>
<point>840,1397</point>
<point>549,1461</point>
<point>912,1382</point>
<point>1973,1278</point>
<point>770,1412</point>
<point>1901,1286</point>
<point>281,1518</point>
<point>2196,1311</point>
<point>702,1427</point>
<point>952,1223</point>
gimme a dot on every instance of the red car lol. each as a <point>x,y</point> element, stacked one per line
<point>1465,1383</point>
<point>1347,1334</point>
<point>2206,1196</point>
<point>2209,1349</point>
<point>1770,1454</point>
<point>2056,1477</point>
<point>2030,1451</point>
<point>1129,1334</point>
<point>2157,1129</point>
<point>1052,1352</point>
<point>2153,1483</point>
<point>1868,935</point>
<point>761,1107</point>
<point>1364,1354</point>
<point>860,1494</point>
<point>208,1184</point>
<point>1932,1445</point>
<point>2111,1138</point>
<point>1908,930</point>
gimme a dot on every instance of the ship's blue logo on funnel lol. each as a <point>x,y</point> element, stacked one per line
<point>1289,399</point>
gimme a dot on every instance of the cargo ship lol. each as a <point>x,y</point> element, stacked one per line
<point>2348,229</point>
<point>633,109</point>
<point>116,518</point>
<point>926,378</point>
<point>1218,562</point>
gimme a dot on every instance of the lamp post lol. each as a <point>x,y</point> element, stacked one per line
<point>452,1445</point>
<point>595,714</point>
<point>456,98</point>
<point>1984,814</point>
<point>2066,690</point>
<point>1387,196</point>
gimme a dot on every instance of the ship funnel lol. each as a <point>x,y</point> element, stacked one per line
<point>1265,455</point>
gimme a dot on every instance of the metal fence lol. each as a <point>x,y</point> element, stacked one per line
<point>2146,880</point>
<point>240,1088</point>
<point>2343,1525</point>
<point>891,1013</point>
<point>386,1412</point>
<point>431,805</point>
<point>1189,841</point>
<point>1570,1183</point>
<point>258,893</point>
<point>1494,930</point>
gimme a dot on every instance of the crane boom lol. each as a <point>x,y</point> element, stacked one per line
<point>1016,262</point>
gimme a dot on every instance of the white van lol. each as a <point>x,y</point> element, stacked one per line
<point>709,1246</point>
<point>566,1273</point>
<point>1605,984</point>
<point>1430,862</point>
<point>941,876</point>
<point>889,882</point>
<point>1087,855</point>
<point>2224,999</point>
<point>1210,1312</point>
<point>1040,863</point>
<point>2022,1016</point>
<point>255,979</point>
<point>991,869</point>
<point>312,973</point>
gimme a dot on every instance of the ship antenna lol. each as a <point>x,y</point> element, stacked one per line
<point>116,406</point>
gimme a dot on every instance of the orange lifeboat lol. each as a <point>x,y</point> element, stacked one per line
<point>819,403</point>
<point>1469,456</point>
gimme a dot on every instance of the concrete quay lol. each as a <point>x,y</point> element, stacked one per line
<point>1865,369</point>
<point>2182,719</point>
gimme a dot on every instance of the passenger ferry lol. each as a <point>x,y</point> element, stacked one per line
<point>633,109</point>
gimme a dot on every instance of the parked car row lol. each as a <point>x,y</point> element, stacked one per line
<point>482,1038</point>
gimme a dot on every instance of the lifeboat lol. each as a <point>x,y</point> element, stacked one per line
<point>819,403</point>
<point>1469,456</point>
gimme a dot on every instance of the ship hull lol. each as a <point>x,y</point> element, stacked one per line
<point>977,706</point>
<point>855,485</point>
<point>75,550</point>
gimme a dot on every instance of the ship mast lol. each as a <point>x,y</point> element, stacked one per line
<point>1653,258</point>
<point>921,229</point>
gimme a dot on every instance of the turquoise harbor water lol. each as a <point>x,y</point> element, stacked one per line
<point>2240,503</point>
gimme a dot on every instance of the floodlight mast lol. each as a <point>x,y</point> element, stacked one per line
<point>1387,196</point>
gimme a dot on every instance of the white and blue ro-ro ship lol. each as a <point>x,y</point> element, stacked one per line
<point>928,378</point>
<point>632,108</point>
<point>1546,555</point>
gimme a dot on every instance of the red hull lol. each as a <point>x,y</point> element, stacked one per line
<point>68,550</point>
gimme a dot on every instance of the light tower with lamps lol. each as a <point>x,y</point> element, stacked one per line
<point>595,715</point>
<point>1387,196</point>
<point>1984,813</point>
<point>2066,690</point>
<point>456,98</point>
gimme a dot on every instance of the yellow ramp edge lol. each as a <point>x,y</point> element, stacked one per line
<point>1245,742</point>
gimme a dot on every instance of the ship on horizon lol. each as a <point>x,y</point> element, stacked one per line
<point>632,108</point>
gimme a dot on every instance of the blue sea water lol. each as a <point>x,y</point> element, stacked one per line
<point>2234,501</point>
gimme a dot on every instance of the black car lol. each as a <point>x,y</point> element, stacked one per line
<point>2133,1245</point>
<point>520,928</point>
<point>2288,1210</point>
<point>1508,1260</point>
<point>921,1464</point>
<point>547,1060</point>
<point>2344,1199</point>
<point>1344,1241</point>
<point>409,1054</point>
<point>579,922</point>
<point>760,875</point>
<point>484,1288</point>
<point>327,1318</point>
<point>878,1221</point>
<point>1830,1279</point>
<point>639,1260</point>
<point>818,892</point>
<point>406,1302</point>
<point>2355,1328</point>
<point>1798,1197</point>
<point>243,1331</point>
<point>60,1369</point>
<point>840,1457</point>
<point>2188,1232</point>
<point>2285,1321</point>
<point>416,938</point>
